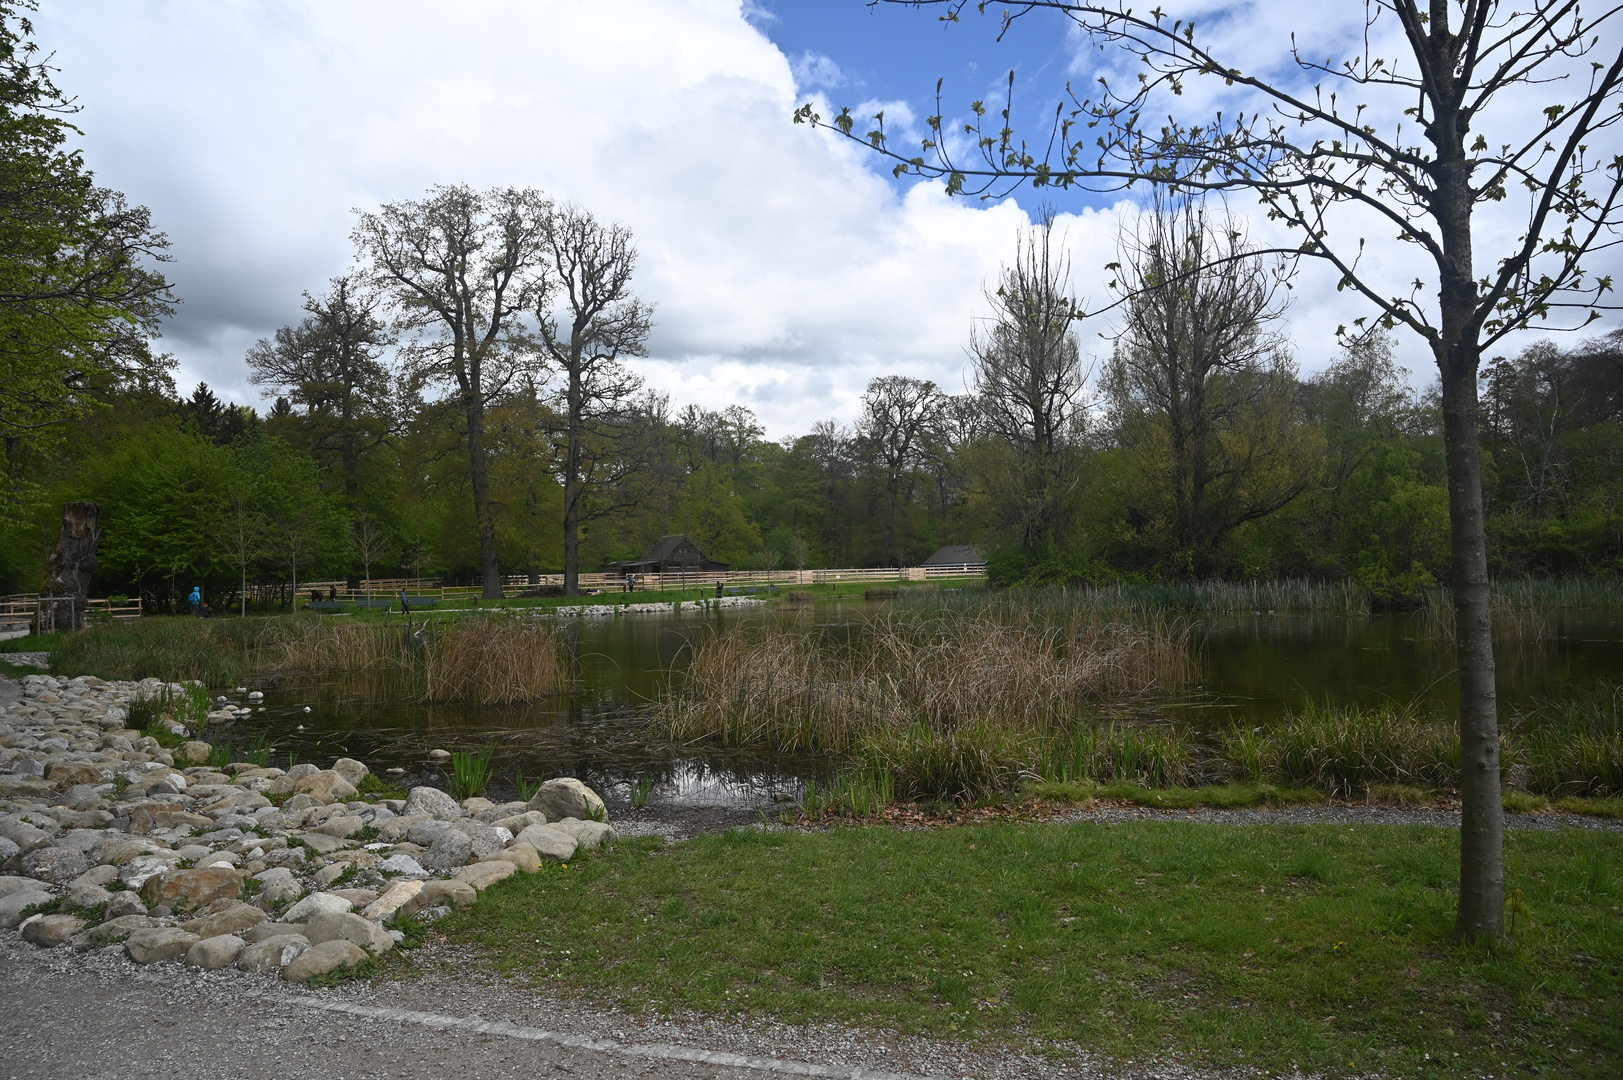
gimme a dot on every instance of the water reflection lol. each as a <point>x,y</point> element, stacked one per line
<point>1254,668</point>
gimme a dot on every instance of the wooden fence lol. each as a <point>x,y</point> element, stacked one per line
<point>25,613</point>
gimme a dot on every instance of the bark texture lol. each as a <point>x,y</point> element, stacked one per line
<point>71,567</point>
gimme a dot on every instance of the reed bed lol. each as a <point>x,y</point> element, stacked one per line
<point>328,645</point>
<point>493,661</point>
<point>797,689</point>
<point>171,648</point>
<point>1174,598</point>
<point>1574,747</point>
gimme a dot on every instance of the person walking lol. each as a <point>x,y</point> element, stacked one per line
<point>196,600</point>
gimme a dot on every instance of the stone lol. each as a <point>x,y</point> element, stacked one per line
<point>301,802</point>
<point>482,875</point>
<point>520,855</point>
<point>497,813</point>
<point>329,874</point>
<point>486,840</point>
<point>113,931</point>
<point>548,842</point>
<point>321,843</point>
<point>139,870</point>
<point>351,770</point>
<point>273,954</point>
<point>349,927</point>
<point>358,898</point>
<point>124,849</point>
<point>341,827</point>
<point>66,774</point>
<point>239,801</point>
<point>236,918</point>
<point>589,835</point>
<point>125,903</point>
<point>431,801</point>
<point>214,953</point>
<point>193,752</point>
<point>190,889</point>
<point>452,849</point>
<point>13,906</point>
<point>267,930</point>
<point>568,797</point>
<point>26,835</point>
<point>26,789</point>
<point>96,875</point>
<point>425,833</point>
<point>396,829</point>
<point>10,884</point>
<point>158,943</point>
<point>457,894</point>
<point>323,959</point>
<point>49,931</point>
<point>395,897</point>
<point>477,805</point>
<point>326,785</point>
<point>86,896</point>
<point>517,823</point>
<point>314,905</point>
<point>278,886</point>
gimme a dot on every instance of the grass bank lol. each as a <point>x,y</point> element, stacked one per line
<point>1320,948</point>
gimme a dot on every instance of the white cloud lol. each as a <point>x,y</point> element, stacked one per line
<point>813,71</point>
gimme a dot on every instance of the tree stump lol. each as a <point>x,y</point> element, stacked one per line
<point>62,601</point>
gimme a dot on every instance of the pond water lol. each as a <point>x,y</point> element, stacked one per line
<point>1253,669</point>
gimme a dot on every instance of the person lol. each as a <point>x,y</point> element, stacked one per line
<point>718,588</point>
<point>631,583</point>
<point>196,599</point>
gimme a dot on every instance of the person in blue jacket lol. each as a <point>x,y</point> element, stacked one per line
<point>196,599</point>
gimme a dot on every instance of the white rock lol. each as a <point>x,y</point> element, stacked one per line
<point>315,904</point>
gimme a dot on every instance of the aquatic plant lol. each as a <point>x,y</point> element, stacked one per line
<point>493,661</point>
<point>1344,749</point>
<point>471,771</point>
<point>171,648</point>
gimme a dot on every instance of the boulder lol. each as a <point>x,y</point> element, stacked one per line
<point>125,903</point>
<point>496,814</point>
<point>520,855</point>
<point>517,823</point>
<point>425,833</point>
<point>86,896</point>
<point>66,774</point>
<point>158,943</point>
<point>548,842</point>
<point>113,931</point>
<point>326,785</point>
<point>349,927</point>
<point>477,805</point>
<point>351,770</point>
<point>456,894</point>
<point>322,844</point>
<point>452,849</point>
<point>49,931</point>
<point>589,835</point>
<point>10,884</point>
<point>486,839</point>
<point>300,802</point>
<point>96,875</point>
<point>273,953</point>
<point>214,953</point>
<point>186,890</point>
<point>57,865</point>
<point>315,904</point>
<point>431,801</point>
<point>26,789</point>
<point>26,835</point>
<point>235,918</point>
<point>240,802</point>
<point>482,875</point>
<point>323,959</point>
<point>193,752</point>
<point>341,827</point>
<point>568,797</point>
<point>395,897</point>
<point>267,930</point>
<point>278,886</point>
<point>13,906</point>
<point>396,829</point>
<point>402,864</point>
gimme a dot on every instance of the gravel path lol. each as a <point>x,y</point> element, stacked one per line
<point>70,1015</point>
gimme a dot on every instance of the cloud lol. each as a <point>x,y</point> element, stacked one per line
<point>813,71</point>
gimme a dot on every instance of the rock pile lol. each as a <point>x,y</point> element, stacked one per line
<point>110,840</point>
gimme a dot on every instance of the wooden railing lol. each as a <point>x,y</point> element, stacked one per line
<point>32,613</point>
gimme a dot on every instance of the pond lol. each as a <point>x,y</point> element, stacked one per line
<point>1253,669</point>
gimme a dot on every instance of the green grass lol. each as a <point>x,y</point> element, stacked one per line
<point>471,771</point>
<point>1324,948</point>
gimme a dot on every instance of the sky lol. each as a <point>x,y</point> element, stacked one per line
<point>786,267</point>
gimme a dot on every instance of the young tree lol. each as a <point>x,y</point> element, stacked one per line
<point>589,322</point>
<point>898,415</point>
<point>1029,382</point>
<point>462,268</point>
<point>242,532</point>
<point>1203,392</point>
<point>330,364</point>
<point>370,542</point>
<point>1411,144</point>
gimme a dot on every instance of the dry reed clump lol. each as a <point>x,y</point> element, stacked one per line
<point>327,645</point>
<point>813,689</point>
<point>493,661</point>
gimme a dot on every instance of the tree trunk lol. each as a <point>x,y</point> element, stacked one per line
<point>73,563</point>
<point>572,484</point>
<point>479,469</point>
<point>1482,818</point>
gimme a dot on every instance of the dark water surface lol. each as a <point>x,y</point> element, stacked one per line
<point>1253,669</point>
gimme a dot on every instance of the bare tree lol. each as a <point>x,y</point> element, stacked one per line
<point>1413,144</point>
<point>242,534</point>
<point>897,415</point>
<point>371,543</point>
<point>590,321</point>
<point>1029,381</point>
<point>1202,387</point>
<point>462,268</point>
<point>330,364</point>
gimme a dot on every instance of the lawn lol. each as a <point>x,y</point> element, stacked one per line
<point>1319,947</point>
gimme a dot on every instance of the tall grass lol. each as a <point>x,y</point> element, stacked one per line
<point>173,649</point>
<point>1574,747</point>
<point>1344,750</point>
<point>493,661</point>
<point>797,688</point>
<point>1185,598</point>
<point>471,771</point>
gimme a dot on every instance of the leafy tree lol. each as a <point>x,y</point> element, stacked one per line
<point>712,515</point>
<point>899,416</point>
<point>1413,144</point>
